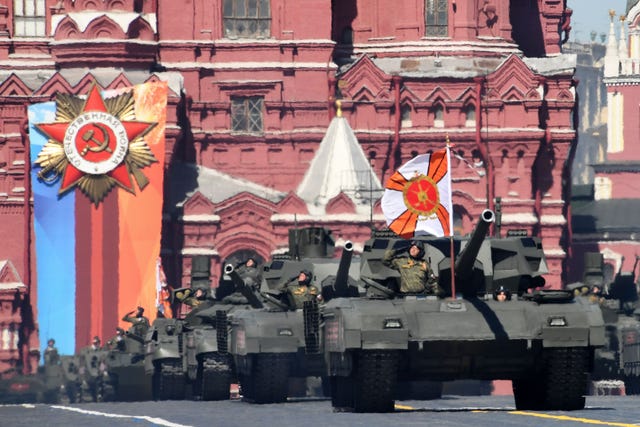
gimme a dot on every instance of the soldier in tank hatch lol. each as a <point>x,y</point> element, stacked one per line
<point>416,275</point>
<point>138,320</point>
<point>299,289</point>
<point>118,342</point>
<point>250,272</point>
<point>95,343</point>
<point>502,294</point>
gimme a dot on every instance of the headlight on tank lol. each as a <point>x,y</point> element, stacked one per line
<point>392,324</point>
<point>170,329</point>
<point>285,332</point>
<point>557,321</point>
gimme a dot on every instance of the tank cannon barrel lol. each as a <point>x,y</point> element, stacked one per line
<point>464,263</point>
<point>239,284</point>
<point>341,283</point>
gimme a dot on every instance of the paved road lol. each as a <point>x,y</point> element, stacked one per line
<point>477,411</point>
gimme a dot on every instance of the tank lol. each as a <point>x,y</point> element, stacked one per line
<point>280,344</point>
<point>190,356</point>
<point>541,340</point>
<point>126,379</point>
<point>619,359</point>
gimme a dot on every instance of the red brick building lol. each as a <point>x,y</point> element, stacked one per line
<point>605,213</point>
<point>253,86</point>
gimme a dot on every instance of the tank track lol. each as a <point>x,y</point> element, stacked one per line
<point>560,385</point>
<point>376,378</point>
<point>168,381</point>
<point>214,377</point>
<point>269,381</point>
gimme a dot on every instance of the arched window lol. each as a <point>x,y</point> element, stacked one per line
<point>470,116</point>
<point>436,18</point>
<point>458,229</point>
<point>247,19</point>
<point>405,117</point>
<point>438,116</point>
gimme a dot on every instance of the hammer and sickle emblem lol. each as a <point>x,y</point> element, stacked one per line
<point>99,146</point>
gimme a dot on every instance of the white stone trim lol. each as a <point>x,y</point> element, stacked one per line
<point>199,251</point>
<point>519,218</point>
<point>201,218</point>
<point>123,19</point>
<point>290,218</point>
<point>249,65</point>
<point>553,220</point>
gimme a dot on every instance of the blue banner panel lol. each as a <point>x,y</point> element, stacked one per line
<point>54,226</point>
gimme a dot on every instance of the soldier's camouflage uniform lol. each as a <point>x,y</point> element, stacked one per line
<point>416,275</point>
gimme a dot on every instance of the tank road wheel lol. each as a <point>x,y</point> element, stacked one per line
<point>376,378</point>
<point>270,377</point>
<point>561,385</point>
<point>528,394</point>
<point>342,391</point>
<point>213,381</point>
<point>168,380</point>
<point>631,385</point>
<point>567,378</point>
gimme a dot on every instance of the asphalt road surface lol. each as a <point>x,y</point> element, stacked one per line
<point>476,411</point>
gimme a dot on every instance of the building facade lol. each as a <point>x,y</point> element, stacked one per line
<point>253,91</point>
<point>604,214</point>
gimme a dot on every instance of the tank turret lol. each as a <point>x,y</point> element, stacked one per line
<point>242,287</point>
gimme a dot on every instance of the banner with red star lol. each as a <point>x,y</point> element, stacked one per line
<point>417,197</point>
<point>96,248</point>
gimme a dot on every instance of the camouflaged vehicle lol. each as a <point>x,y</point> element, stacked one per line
<point>619,359</point>
<point>278,343</point>
<point>542,340</point>
<point>194,351</point>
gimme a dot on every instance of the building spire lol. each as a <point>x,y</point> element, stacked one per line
<point>611,59</point>
<point>340,165</point>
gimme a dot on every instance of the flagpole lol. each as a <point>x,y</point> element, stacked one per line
<point>451,250</point>
<point>453,273</point>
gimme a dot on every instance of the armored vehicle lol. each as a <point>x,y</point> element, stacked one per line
<point>194,350</point>
<point>619,359</point>
<point>274,345</point>
<point>542,340</point>
<point>126,379</point>
<point>92,374</point>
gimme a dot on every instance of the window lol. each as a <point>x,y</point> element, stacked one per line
<point>28,18</point>
<point>438,116</point>
<point>470,116</point>
<point>405,117</point>
<point>246,114</point>
<point>247,18</point>
<point>436,18</point>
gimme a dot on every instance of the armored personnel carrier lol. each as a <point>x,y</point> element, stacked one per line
<point>125,378</point>
<point>619,359</point>
<point>542,340</point>
<point>281,342</point>
<point>194,350</point>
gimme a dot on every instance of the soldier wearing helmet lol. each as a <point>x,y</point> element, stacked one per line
<point>416,275</point>
<point>299,289</point>
<point>502,294</point>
